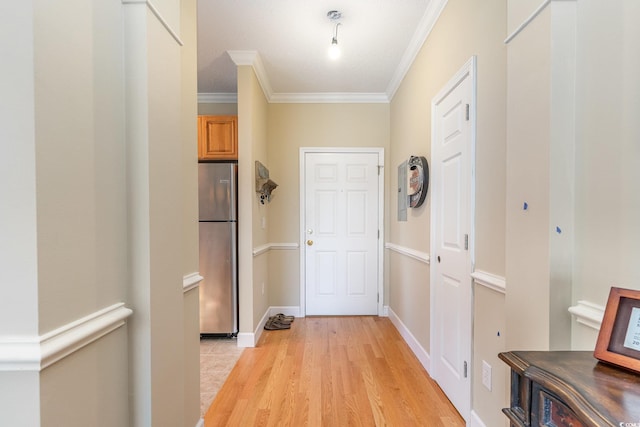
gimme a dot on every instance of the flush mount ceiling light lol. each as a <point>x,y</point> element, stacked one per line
<point>334,50</point>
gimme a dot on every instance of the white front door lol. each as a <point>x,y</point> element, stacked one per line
<point>341,232</point>
<point>451,234</point>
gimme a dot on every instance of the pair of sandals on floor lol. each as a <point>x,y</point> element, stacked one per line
<point>279,321</point>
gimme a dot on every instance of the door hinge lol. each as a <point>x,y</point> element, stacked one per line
<point>466,242</point>
<point>465,369</point>
<point>378,234</point>
<point>466,114</point>
<point>378,298</point>
<point>379,167</point>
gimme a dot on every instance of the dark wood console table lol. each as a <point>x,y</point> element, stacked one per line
<point>570,388</point>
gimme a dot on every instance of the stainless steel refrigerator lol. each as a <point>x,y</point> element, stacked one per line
<point>218,253</point>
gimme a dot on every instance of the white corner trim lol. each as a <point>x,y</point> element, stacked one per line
<point>200,423</point>
<point>588,314</point>
<point>252,58</point>
<point>491,281</point>
<point>217,98</point>
<point>35,353</point>
<point>412,342</point>
<point>250,339</point>
<point>527,21</point>
<point>191,281</point>
<point>246,339</point>
<point>259,250</point>
<point>411,253</point>
<point>475,420</point>
<point>428,21</point>
<point>329,98</point>
<point>385,311</point>
<point>159,16</point>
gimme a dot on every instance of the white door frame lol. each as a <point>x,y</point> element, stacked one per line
<point>302,239</point>
<point>467,70</point>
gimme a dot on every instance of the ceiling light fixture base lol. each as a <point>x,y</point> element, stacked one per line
<point>334,15</point>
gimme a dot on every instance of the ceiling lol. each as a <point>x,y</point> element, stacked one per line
<point>287,42</point>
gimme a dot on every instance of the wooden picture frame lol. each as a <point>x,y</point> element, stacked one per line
<point>619,338</point>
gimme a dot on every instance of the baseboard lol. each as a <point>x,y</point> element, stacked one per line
<point>385,311</point>
<point>250,339</point>
<point>246,339</point>
<point>200,423</point>
<point>412,342</point>
<point>475,420</point>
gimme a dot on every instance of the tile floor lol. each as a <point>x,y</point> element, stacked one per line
<point>217,358</point>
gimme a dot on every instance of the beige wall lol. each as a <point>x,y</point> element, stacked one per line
<point>252,143</point>
<point>80,162</point>
<point>607,155</point>
<point>290,127</point>
<point>62,190</point>
<point>96,137</point>
<point>528,131</point>
<point>465,28</point>
<point>260,212</point>
<point>189,246</point>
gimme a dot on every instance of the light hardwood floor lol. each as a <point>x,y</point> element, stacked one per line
<point>331,371</point>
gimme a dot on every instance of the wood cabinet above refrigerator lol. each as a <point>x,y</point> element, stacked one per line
<point>217,138</point>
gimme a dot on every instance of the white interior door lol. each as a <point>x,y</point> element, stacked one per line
<point>451,233</point>
<point>341,233</point>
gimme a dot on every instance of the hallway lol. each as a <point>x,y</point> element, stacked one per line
<point>331,371</point>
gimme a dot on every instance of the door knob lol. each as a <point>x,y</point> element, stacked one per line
<point>309,242</point>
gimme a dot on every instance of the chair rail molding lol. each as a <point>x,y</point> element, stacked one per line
<point>35,353</point>
<point>411,253</point>
<point>259,250</point>
<point>191,281</point>
<point>491,281</point>
<point>588,314</point>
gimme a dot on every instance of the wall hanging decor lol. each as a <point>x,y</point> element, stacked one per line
<point>417,180</point>
<point>264,185</point>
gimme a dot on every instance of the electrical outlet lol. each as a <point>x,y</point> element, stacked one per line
<point>264,222</point>
<point>262,288</point>
<point>486,375</point>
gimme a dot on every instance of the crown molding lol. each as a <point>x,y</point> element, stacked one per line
<point>252,58</point>
<point>428,21</point>
<point>158,15</point>
<point>329,98</point>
